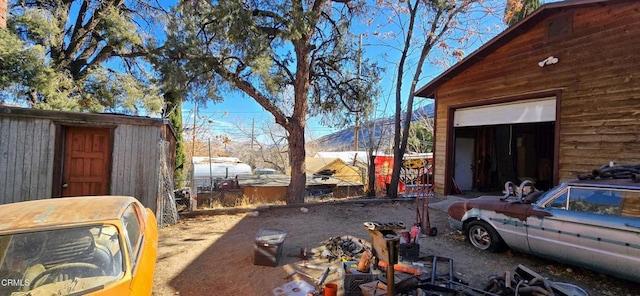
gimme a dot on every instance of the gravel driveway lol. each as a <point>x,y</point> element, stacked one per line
<point>213,254</point>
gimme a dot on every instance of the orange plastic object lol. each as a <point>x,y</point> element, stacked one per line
<point>401,268</point>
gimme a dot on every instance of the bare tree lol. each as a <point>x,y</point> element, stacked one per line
<point>444,26</point>
<point>266,146</point>
<point>377,133</point>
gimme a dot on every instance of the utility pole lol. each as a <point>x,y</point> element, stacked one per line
<point>210,168</point>
<point>253,125</point>
<point>193,131</point>
<point>357,124</point>
<point>193,147</point>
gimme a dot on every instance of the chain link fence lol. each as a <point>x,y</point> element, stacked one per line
<point>167,212</point>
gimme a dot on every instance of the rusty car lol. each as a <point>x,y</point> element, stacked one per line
<point>91,245</point>
<point>593,223</point>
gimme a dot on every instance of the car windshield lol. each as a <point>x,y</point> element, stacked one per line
<point>553,197</point>
<point>61,261</point>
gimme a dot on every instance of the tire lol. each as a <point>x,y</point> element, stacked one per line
<point>482,236</point>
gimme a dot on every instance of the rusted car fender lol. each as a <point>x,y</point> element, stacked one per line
<point>474,215</point>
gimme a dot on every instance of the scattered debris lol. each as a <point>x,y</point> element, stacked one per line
<point>302,273</point>
<point>326,254</point>
<point>294,288</point>
<point>323,277</point>
<point>317,267</point>
<point>183,199</point>
<point>422,276</point>
<point>345,248</point>
<point>384,245</point>
<point>614,171</point>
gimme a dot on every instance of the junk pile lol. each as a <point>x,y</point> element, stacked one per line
<point>343,247</point>
<point>527,282</point>
<point>327,258</point>
<point>390,264</point>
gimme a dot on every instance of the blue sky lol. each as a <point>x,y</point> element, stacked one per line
<point>240,109</point>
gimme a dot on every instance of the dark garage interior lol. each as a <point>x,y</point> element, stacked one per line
<point>488,156</point>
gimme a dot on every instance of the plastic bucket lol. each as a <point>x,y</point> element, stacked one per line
<point>330,289</point>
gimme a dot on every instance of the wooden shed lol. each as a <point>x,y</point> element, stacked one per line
<point>335,167</point>
<point>50,154</point>
<point>273,188</point>
<point>264,188</point>
<point>556,95</point>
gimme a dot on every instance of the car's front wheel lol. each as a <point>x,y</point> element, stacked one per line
<point>483,236</point>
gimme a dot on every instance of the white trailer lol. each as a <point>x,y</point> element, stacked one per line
<point>207,171</point>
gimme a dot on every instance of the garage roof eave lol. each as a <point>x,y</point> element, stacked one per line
<point>546,10</point>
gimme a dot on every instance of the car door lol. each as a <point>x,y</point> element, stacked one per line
<point>134,236</point>
<point>142,234</point>
<point>545,224</point>
<point>510,222</point>
<point>600,236</point>
<point>586,226</point>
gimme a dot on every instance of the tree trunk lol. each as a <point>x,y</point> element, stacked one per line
<point>173,112</point>
<point>297,122</point>
<point>297,154</point>
<point>371,191</point>
<point>392,190</point>
<point>400,139</point>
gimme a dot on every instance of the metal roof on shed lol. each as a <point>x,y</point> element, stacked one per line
<point>279,180</point>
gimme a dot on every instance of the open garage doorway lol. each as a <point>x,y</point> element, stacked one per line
<point>488,156</point>
<point>512,141</point>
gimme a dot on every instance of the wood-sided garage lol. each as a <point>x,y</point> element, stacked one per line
<point>556,95</point>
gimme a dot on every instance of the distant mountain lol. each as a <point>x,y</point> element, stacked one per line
<point>383,127</point>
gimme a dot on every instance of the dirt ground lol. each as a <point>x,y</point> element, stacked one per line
<point>213,254</point>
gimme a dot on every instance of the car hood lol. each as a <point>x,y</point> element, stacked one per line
<point>510,208</point>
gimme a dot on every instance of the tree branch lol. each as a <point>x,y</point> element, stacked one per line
<point>81,32</point>
<point>284,68</point>
<point>270,14</point>
<point>61,13</point>
<point>250,90</point>
<point>102,56</point>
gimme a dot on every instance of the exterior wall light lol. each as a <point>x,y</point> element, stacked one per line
<point>551,60</point>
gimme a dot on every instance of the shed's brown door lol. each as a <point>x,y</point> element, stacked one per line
<point>87,159</point>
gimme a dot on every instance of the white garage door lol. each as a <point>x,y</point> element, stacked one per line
<point>538,110</point>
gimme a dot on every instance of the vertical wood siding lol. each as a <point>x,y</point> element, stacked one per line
<point>598,76</point>
<point>28,144</point>
<point>135,162</point>
<point>26,159</point>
